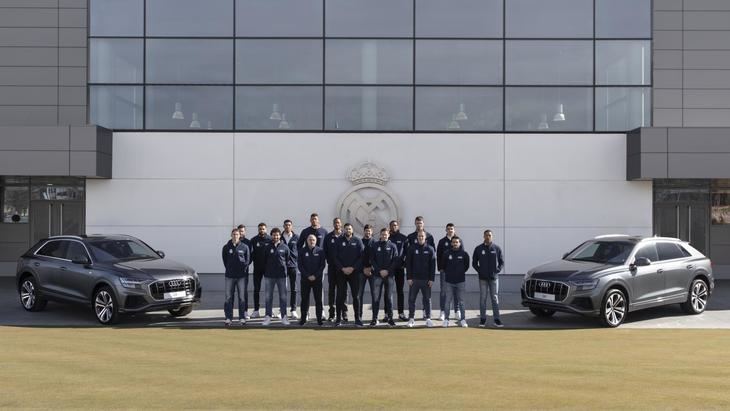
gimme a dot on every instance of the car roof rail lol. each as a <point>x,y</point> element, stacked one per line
<point>78,237</point>
<point>611,235</point>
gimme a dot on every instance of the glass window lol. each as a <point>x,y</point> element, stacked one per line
<point>623,18</point>
<point>622,108</point>
<point>668,251</point>
<point>76,251</point>
<point>554,18</point>
<point>190,18</point>
<point>623,62</point>
<point>369,18</point>
<point>369,108</point>
<point>279,61</point>
<point>192,61</point>
<point>546,109</point>
<point>279,108</point>
<point>549,62</point>
<point>459,109</point>
<point>647,251</point>
<point>55,249</point>
<point>15,202</point>
<point>115,60</point>
<point>279,18</point>
<point>458,62</point>
<point>57,188</point>
<point>369,61</point>
<point>116,107</point>
<point>459,18</point>
<point>189,107</point>
<point>116,18</point>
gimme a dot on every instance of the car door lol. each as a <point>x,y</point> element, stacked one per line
<point>647,282</point>
<point>676,268</point>
<point>47,263</point>
<point>75,279</point>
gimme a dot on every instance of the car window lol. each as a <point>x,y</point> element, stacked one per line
<point>117,250</point>
<point>55,249</point>
<point>648,251</point>
<point>685,252</point>
<point>668,251</point>
<point>604,252</point>
<point>75,251</point>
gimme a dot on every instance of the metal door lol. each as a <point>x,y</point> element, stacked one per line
<point>49,218</point>
<point>686,221</point>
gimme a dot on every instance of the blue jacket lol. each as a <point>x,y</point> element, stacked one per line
<point>413,240</point>
<point>277,258</point>
<point>311,262</point>
<point>349,253</point>
<point>400,240</point>
<point>488,261</point>
<point>292,244</point>
<point>443,246</point>
<point>236,259</point>
<point>421,262</point>
<point>319,233</point>
<point>330,247</point>
<point>384,256</point>
<point>456,264</point>
<point>258,252</point>
<point>366,256</point>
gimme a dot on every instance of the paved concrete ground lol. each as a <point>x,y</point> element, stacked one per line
<point>514,316</point>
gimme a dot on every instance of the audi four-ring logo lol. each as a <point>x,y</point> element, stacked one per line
<point>175,283</point>
<point>543,284</point>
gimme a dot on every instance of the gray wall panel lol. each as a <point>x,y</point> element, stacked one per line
<point>706,4</point>
<point>11,251</point>
<point>28,56</point>
<point>72,18</point>
<point>72,3</point>
<point>26,37</point>
<point>707,59</point>
<point>667,117</point>
<point>668,20</point>
<point>28,115</point>
<point>84,139</point>
<point>72,56</point>
<point>34,163</point>
<point>706,20</point>
<point>72,76</point>
<point>72,37</point>
<point>667,98</point>
<point>699,165</point>
<point>699,140</point>
<point>668,59</point>
<point>72,96</point>
<point>706,117</point>
<point>72,115</point>
<point>710,79</point>
<point>667,4</point>
<point>34,138</point>
<point>29,18</point>
<point>28,76</point>
<point>667,79</point>
<point>668,40</point>
<point>707,98</point>
<point>707,40</point>
<point>19,95</point>
<point>29,3</point>
<point>653,140</point>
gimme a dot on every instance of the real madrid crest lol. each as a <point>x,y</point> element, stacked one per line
<point>368,201</point>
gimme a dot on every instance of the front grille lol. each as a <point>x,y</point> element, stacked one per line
<point>559,290</point>
<point>159,288</point>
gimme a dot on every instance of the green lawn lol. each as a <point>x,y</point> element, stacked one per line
<point>420,369</point>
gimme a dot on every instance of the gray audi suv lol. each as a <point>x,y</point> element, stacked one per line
<point>114,274</point>
<point>609,276</point>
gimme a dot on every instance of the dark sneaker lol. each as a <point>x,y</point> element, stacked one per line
<point>358,323</point>
<point>331,318</point>
<point>391,322</point>
<point>385,319</point>
<point>402,317</point>
<point>483,322</point>
<point>498,323</point>
<point>338,322</point>
<point>344,318</point>
<point>320,322</point>
<point>302,322</point>
<point>373,323</point>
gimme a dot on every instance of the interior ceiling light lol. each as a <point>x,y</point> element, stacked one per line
<point>178,114</point>
<point>275,115</point>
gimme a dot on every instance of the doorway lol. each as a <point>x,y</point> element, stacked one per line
<point>49,218</point>
<point>682,210</point>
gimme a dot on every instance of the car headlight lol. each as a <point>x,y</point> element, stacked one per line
<point>131,282</point>
<point>584,285</point>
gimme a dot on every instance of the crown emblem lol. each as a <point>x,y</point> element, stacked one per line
<point>368,172</point>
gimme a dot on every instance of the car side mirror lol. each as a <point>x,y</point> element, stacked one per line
<point>81,261</point>
<point>160,253</point>
<point>642,262</point>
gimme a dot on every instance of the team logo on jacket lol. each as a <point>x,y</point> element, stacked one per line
<point>451,257</point>
<point>483,252</point>
<point>368,201</point>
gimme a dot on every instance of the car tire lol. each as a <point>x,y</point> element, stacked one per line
<point>614,308</point>
<point>181,312</point>
<point>28,294</point>
<point>105,306</point>
<point>542,312</point>
<point>697,297</point>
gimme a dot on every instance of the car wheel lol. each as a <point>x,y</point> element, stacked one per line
<point>697,298</point>
<point>542,312</point>
<point>28,293</point>
<point>105,306</point>
<point>614,308</point>
<point>181,312</point>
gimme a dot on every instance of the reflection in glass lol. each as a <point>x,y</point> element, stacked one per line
<point>190,18</point>
<point>458,62</point>
<point>279,61</point>
<point>459,18</point>
<point>535,108</point>
<point>15,203</point>
<point>623,62</point>
<point>369,61</point>
<point>368,108</point>
<point>279,18</point>
<point>115,60</point>
<point>623,18</point>
<point>622,108</point>
<point>189,61</point>
<point>213,106</point>
<point>271,108</point>
<point>549,62</point>
<point>554,18</point>
<point>116,107</point>
<point>459,109</point>
<point>369,18</point>
<point>116,18</point>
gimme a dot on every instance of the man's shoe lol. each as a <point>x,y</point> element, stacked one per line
<point>331,318</point>
<point>227,322</point>
<point>483,322</point>
<point>498,323</point>
<point>463,324</point>
<point>429,323</point>
<point>391,322</point>
<point>246,316</point>
<point>284,320</point>
<point>302,322</point>
<point>320,322</point>
<point>445,324</point>
<point>411,323</point>
<point>385,319</point>
<point>442,316</point>
<point>344,318</point>
<point>242,321</point>
<point>294,315</point>
<point>255,314</point>
<point>402,317</point>
<point>266,322</point>
<point>358,323</point>
<point>338,323</point>
<point>374,323</point>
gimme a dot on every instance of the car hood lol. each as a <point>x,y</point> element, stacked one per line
<point>563,270</point>
<point>158,269</point>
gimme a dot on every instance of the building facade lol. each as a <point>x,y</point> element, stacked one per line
<point>547,121</point>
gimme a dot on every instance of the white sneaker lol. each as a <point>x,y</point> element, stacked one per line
<point>246,316</point>
<point>255,314</point>
<point>442,316</point>
<point>411,323</point>
<point>429,323</point>
<point>266,322</point>
<point>284,320</point>
<point>242,321</point>
<point>463,324</point>
<point>445,324</point>
<point>227,322</point>
<point>294,315</point>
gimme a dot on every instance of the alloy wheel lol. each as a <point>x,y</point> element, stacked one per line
<point>699,296</point>
<point>104,306</point>
<point>615,309</point>
<point>27,294</point>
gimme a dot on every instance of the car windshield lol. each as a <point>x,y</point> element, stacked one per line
<point>604,252</point>
<point>108,251</point>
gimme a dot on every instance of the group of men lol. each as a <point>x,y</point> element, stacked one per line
<point>384,264</point>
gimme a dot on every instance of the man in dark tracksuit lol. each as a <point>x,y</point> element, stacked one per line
<point>289,238</point>
<point>348,260</point>
<point>420,226</point>
<point>444,245</point>
<point>384,257</point>
<point>330,250</point>
<point>455,265</point>
<point>488,261</point>
<point>315,229</point>
<point>236,258</point>
<point>421,272</point>
<point>400,240</point>
<point>277,260</point>
<point>258,257</point>
<point>367,270</point>
<point>311,266</point>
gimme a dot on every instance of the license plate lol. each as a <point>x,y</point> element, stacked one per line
<point>543,296</point>
<point>176,294</point>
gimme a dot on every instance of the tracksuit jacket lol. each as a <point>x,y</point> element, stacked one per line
<point>277,258</point>
<point>384,256</point>
<point>488,261</point>
<point>456,263</point>
<point>366,255</point>
<point>292,244</point>
<point>349,253</point>
<point>421,262</point>
<point>330,247</point>
<point>400,241</point>
<point>311,262</point>
<point>413,239</point>
<point>258,252</point>
<point>318,232</point>
<point>236,259</point>
<point>443,246</point>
